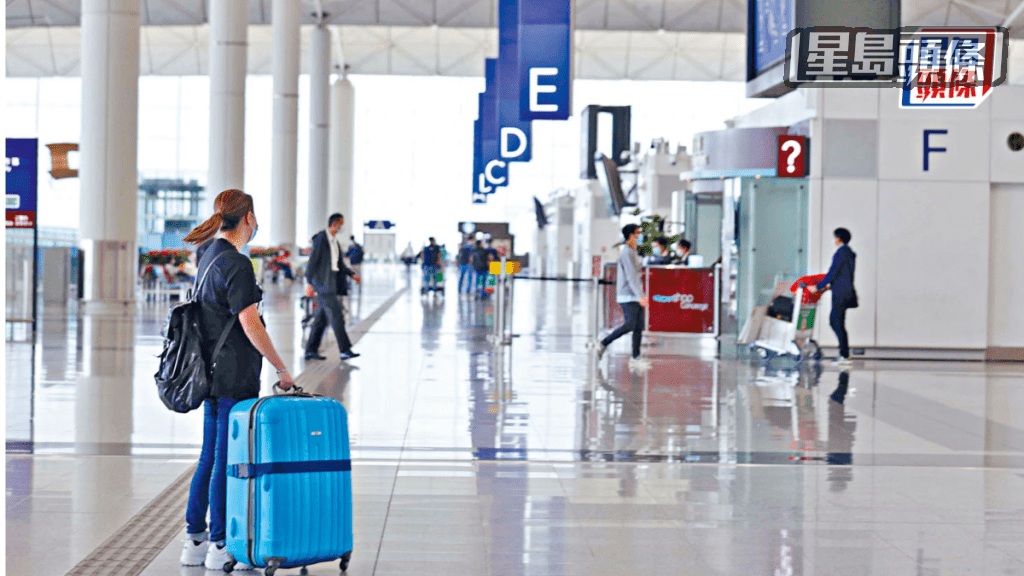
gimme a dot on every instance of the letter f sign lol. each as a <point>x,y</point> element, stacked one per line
<point>927,145</point>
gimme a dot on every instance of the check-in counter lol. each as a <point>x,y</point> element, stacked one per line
<point>682,300</point>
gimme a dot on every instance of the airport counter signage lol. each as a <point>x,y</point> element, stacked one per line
<point>682,300</point>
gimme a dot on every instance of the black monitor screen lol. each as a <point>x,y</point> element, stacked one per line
<point>608,177</point>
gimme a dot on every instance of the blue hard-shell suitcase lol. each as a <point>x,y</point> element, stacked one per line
<point>289,493</point>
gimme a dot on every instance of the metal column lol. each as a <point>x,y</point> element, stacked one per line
<point>287,16</point>
<point>319,72</point>
<point>229,26</point>
<point>109,160</point>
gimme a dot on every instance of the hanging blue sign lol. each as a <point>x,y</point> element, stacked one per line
<point>22,177</point>
<point>493,169</point>
<point>476,159</point>
<point>545,59</point>
<point>513,134</point>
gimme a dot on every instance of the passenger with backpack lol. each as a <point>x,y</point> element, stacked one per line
<point>481,265</point>
<point>234,337</point>
<point>466,266</point>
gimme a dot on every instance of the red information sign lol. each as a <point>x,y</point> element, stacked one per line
<point>20,219</point>
<point>792,153</point>
<point>595,268</point>
<point>682,300</point>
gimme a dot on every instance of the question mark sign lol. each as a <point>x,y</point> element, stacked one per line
<point>794,147</point>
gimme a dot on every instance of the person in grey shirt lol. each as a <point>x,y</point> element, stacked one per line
<point>629,294</point>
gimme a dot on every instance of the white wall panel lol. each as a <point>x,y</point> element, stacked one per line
<point>851,204</point>
<point>1008,102</point>
<point>901,150</point>
<point>933,253</point>
<point>1006,267</point>
<point>851,103</point>
<point>1007,165</point>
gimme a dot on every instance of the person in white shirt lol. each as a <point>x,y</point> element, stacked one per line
<point>322,272</point>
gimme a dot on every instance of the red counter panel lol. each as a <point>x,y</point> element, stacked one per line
<point>682,300</point>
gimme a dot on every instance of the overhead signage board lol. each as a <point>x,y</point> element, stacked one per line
<point>514,134</point>
<point>769,23</point>
<point>545,59</point>
<point>22,181</point>
<point>478,196</point>
<point>773,20</point>
<point>494,170</point>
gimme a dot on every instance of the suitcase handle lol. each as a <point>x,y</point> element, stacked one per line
<point>295,390</point>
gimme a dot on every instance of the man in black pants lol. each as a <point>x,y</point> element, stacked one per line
<point>844,296</point>
<point>322,271</point>
<point>629,294</point>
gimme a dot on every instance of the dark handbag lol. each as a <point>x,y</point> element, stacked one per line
<point>183,380</point>
<point>854,303</point>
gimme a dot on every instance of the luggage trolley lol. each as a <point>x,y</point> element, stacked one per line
<point>791,338</point>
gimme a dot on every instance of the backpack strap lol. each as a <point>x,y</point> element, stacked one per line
<point>234,317</point>
<point>202,279</point>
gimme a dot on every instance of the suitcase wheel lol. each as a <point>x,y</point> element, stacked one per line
<point>345,560</point>
<point>304,571</point>
<point>230,566</point>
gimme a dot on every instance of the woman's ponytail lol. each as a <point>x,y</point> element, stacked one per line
<point>230,207</point>
<point>205,231</point>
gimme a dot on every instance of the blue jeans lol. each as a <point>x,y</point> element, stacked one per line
<point>481,281</point>
<point>466,275</point>
<point>634,323</point>
<point>210,481</point>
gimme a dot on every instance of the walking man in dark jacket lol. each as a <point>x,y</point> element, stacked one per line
<point>326,264</point>
<point>844,296</point>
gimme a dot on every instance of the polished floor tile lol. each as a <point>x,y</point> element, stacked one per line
<point>536,459</point>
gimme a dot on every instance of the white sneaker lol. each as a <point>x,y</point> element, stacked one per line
<point>218,556</point>
<point>192,553</point>
<point>639,364</point>
<point>600,348</point>
<point>842,361</point>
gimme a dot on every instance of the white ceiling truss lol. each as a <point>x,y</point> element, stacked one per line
<point>400,50</point>
<point>652,15</point>
<point>633,15</point>
<point>615,39</point>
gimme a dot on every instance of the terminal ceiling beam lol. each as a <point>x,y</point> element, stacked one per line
<point>672,15</point>
<point>623,15</point>
<point>417,51</point>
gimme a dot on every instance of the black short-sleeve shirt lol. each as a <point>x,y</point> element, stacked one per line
<point>230,288</point>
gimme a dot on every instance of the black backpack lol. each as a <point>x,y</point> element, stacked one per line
<point>183,379</point>
<point>781,308</point>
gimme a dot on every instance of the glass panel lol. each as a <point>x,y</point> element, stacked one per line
<point>773,237</point>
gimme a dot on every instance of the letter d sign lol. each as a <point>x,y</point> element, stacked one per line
<point>520,139</point>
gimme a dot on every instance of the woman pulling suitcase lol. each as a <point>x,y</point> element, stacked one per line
<point>230,296</point>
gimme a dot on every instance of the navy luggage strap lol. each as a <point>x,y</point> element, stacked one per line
<point>245,471</point>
